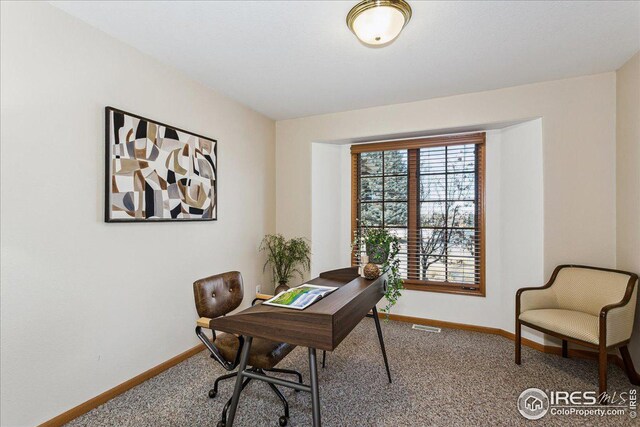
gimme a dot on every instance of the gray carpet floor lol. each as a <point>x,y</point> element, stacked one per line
<point>455,378</point>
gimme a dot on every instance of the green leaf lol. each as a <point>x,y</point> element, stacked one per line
<point>286,257</point>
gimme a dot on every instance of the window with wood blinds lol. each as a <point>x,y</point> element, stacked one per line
<point>430,193</point>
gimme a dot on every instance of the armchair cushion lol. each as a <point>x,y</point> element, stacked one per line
<point>575,324</point>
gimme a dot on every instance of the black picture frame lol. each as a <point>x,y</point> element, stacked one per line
<point>108,171</point>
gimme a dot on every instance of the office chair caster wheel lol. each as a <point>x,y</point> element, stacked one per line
<point>221,424</point>
<point>212,393</point>
<point>283,421</point>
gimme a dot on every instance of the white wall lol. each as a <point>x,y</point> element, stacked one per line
<point>331,198</point>
<point>521,217</point>
<point>87,305</point>
<point>578,166</point>
<point>514,226</point>
<point>326,207</point>
<point>628,176</point>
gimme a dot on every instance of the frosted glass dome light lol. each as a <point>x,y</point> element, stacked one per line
<point>378,22</point>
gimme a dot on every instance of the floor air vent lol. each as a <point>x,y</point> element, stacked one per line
<point>426,328</point>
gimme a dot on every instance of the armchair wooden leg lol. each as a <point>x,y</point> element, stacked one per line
<point>629,369</point>
<point>602,369</point>
<point>518,341</point>
<point>565,349</point>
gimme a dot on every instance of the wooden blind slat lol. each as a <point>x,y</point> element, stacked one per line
<point>413,217</point>
<point>355,189</point>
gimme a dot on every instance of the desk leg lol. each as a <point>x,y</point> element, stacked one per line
<point>379,329</point>
<point>244,358</point>
<point>315,395</point>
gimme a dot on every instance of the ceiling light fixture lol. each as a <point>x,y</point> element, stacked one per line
<point>378,22</point>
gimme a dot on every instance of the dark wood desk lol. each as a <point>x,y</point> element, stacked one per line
<point>321,326</point>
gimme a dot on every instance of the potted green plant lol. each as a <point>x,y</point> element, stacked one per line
<point>377,244</point>
<point>286,258</point>
<point>382,248</point>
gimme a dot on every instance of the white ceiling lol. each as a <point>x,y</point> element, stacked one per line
<point>298,58</point>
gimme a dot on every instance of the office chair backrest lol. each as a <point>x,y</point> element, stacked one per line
<point>219,294</point>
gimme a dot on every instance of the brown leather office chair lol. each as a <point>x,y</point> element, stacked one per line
<point>216,296</point>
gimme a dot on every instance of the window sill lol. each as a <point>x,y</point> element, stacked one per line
<point>414,285</point>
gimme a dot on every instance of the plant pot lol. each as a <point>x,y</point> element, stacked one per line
<point>282,286</point>
<point>378,254</point>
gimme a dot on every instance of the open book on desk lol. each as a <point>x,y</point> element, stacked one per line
<point>301,297</point>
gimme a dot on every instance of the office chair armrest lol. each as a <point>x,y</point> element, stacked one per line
<point>215,353</point>
<point>203,322</point>
<point>261,297</point>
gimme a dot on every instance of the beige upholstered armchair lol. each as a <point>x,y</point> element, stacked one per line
<point>589,306</point>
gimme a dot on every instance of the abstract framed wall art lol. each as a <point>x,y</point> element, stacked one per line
<point>156,172</point>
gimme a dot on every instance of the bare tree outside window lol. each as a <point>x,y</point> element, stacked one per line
<point>448,218</point>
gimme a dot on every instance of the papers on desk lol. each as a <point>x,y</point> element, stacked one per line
<point>301,297</point>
